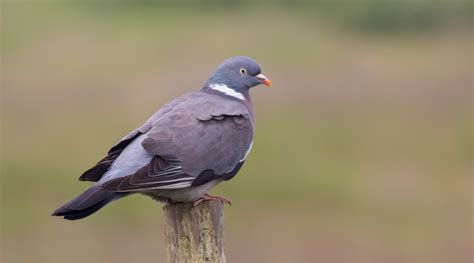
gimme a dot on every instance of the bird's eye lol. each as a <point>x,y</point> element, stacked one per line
<point>243,71</point>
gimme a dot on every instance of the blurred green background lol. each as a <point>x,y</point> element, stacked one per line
<point>363,146</point>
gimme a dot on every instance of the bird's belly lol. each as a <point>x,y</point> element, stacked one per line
<point>188,194</point>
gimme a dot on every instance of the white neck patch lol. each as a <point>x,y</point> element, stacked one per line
<point>228,91</point>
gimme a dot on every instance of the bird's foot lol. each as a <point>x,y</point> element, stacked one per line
<point>207,197</point>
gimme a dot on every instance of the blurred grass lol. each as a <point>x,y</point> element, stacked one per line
<point>363,147</point>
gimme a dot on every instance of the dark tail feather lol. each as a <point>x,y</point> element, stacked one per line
<point>87,203</point>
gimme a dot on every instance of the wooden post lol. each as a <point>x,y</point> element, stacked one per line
<point>195,234</point>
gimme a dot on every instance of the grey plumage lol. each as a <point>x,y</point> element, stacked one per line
<point>183,150</point>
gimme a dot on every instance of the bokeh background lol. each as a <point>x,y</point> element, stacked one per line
<point>363,146</point>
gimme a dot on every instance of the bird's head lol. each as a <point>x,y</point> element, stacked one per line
<point>239,74</point>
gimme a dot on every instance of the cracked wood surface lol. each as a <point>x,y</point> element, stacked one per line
<point>195,234</point>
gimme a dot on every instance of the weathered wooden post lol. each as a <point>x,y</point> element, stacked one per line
<point>195,234</point>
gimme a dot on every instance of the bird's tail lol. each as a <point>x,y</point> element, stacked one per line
<point>87,203</point>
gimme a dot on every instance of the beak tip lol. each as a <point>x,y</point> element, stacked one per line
<point>267,83</point>
<point>264,80</point>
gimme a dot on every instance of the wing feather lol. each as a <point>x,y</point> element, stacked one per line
<point>158,174</point>
<point>96,172</point>
<point>200,139</point>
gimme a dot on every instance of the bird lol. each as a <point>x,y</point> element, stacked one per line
<point>182,151</point>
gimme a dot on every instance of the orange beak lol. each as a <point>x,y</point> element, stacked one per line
<point>264,80</point>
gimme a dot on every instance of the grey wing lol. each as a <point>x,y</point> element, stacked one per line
<point>96,172</point>
<point>159,173</point>
<point>191,147</point>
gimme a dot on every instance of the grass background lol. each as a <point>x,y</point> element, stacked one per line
<point>363,146</point>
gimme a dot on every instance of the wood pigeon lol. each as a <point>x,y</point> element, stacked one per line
<point>183,150</point>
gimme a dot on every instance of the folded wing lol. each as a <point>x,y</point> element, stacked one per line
<point>200,140</point>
